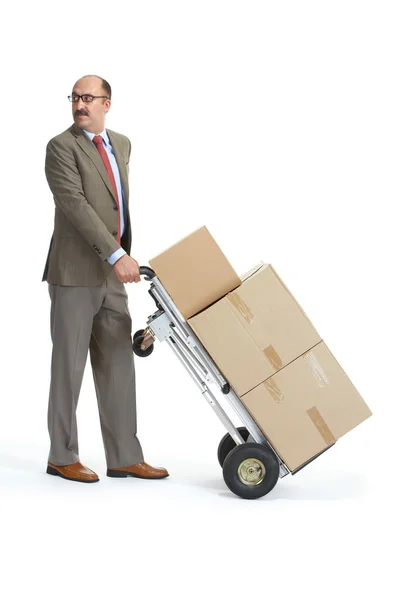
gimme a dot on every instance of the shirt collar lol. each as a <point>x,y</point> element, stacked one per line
<point>103,135</point>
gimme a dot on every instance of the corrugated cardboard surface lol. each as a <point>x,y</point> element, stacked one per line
<point>307,406</point>
<point>255,330</point>
<point>195,272</point>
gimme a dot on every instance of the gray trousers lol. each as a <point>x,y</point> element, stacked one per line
<point>94,319</point>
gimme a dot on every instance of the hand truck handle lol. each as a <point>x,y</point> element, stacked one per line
<point>147,272</point>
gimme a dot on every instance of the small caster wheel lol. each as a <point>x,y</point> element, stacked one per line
<point>227,444</point>
<point>137,342</point>
<point>251,470</point>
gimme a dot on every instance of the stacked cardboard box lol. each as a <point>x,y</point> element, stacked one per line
<point>195,272</point>
<point>266,347</point>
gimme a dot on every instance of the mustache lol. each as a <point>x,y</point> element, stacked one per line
<point>80,111</point>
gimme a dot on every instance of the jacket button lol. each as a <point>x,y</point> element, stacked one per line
<point>115,232</point>
<point>115,207</point>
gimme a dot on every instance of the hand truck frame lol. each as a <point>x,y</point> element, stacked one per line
<point>251,466</point>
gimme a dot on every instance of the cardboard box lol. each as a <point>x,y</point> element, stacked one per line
<point>307,406</point>
<point>255,330</point>
<point>195,272</point>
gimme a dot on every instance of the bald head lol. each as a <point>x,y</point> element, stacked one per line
<point>104,84</point>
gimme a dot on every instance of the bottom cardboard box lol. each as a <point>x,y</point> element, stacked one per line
<point>306,406</point>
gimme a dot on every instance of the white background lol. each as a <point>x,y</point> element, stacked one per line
<point>276,124</point>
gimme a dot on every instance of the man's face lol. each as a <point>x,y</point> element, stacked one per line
<point>90,116</point>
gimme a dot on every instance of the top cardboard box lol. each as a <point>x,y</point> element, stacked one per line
<point>195,272</point>
<point>255,330</point>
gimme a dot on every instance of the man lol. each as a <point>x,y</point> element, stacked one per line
<point>87,265</point>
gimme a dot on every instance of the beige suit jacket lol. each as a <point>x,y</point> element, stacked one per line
<point>86,213</point>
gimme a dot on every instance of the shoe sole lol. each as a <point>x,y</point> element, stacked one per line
<point>52,471</point>
<point>112,473</point>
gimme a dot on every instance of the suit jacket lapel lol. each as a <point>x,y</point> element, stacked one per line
<point>90,149</point>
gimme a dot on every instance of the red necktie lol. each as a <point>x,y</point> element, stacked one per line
<point>98,142</point>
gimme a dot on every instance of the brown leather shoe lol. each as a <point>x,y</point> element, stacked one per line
<point>74,472</point>
<point>141,470</point>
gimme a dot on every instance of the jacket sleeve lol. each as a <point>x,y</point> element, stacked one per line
<point>65,183</point>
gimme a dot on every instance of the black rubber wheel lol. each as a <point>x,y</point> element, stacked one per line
<point>137,340</point>
<point>227,444</point>
<point>251,470</point>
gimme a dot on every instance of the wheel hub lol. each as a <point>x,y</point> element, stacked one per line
<point>146,340</point>
<point>251,471</point>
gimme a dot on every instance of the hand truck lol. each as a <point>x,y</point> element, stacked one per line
<point>250,465</point>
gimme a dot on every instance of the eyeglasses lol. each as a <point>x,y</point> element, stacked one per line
<point>86,98</point>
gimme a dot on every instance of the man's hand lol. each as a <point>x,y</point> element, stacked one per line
<point>127,269</point>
